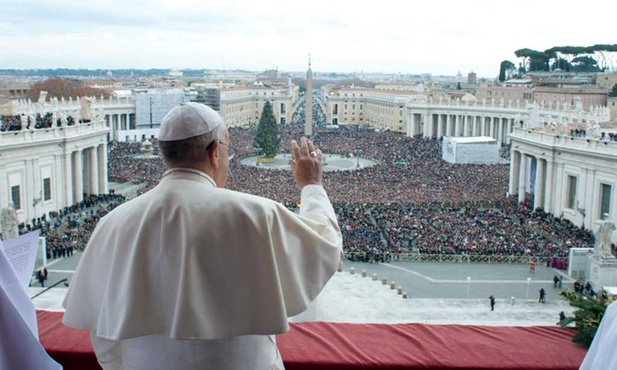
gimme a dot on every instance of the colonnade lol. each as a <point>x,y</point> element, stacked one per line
<point>542,181</point>
<point>86,172</point>
<point>462,125</point>
<point>119,122</point>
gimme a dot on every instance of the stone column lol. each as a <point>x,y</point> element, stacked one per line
<point>440,124</point>
<point>78,176</point>
<point>427,123</point>
<point>457,125</point>
<point>110,124</point>
<point>499,131</point>
<point>549,186</point>
<point>522,178</point>
<point>465,128</point>
<point>68,179</point>
<point>491,124</point>
<point>515,162</point>
<point>102,168</point>
<point>93,168</point>
<point>538,198</point>
<point>508,129</point>
<point>449,125</point>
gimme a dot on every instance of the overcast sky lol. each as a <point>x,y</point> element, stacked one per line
<point>434,36</point>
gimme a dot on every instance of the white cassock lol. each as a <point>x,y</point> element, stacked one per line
<point>189,274</point>
<point>602,354</point>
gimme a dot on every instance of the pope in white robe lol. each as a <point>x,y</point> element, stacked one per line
<point>191,275</point>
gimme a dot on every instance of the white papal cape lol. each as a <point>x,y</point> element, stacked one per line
<point>193,261</point>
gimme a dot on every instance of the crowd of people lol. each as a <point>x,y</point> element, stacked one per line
<point>37,121</point>
<point>69,229</point>
<point>411,202</point>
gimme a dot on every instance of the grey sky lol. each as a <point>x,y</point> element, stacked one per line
<point>438,36</point>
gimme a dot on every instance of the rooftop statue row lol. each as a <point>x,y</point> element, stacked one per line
<point>552,117</point>
<point>501,103</point>
<point>55,104</point>
<point>84,114</point>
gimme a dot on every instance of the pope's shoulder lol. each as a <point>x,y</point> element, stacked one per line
<point>168,197</point>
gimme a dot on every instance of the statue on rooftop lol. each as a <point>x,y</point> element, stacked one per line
<point>9,222</point>
<point>602,246</point>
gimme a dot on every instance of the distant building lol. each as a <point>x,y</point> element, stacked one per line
<point>210,96</point>
<point>471,78</point>
<point>229,76</point>
<point>376,108</point>
<point>606,80</point>
<point>521,90</point>
<point>590,96</point>
<point>242,106</point>
<point>152,106</point>
<point>12,90</point>
<point>176,73</point>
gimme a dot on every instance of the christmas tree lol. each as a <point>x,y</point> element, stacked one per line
<point>268,140</point>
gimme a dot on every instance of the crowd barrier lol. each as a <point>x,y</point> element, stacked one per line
<point>560,263</point>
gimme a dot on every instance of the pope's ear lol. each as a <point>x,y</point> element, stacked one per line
<point>214,154</point>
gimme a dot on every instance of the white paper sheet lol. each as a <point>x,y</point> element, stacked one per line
<point>21,252</point>
<point>19,344</point>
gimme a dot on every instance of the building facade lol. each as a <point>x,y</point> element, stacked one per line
<point>44,170</point>
<point>242,106</point>
<point>570,177</point>
<point>445,117</point>
<point>375,108</point>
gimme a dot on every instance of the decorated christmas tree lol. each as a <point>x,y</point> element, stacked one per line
<point>268,140</point>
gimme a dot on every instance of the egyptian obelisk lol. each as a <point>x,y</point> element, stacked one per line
<point>308,114</point>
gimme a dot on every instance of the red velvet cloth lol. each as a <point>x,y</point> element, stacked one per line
<point>320,345</point>
<point>68,346</point>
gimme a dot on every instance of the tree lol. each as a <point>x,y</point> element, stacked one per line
<point>587,317</point>
<point>585,64</point>
<point>268,140</point>
<point>613,92</point>
<point>505,70</point>
<point>458,86</point>
<point>64,88</point>
<point>533,60</point>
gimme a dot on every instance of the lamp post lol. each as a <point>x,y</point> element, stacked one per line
<point>150,112</point>
<point>35,202</point>
<point>528,284</point>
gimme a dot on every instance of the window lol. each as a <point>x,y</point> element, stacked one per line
<point>605,199</point>
<point>46,189</point>
<point>283,108</point>
<point>16,197</point>
<point>571,192</point>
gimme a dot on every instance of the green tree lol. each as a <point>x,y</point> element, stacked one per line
<point>268,140</point>
<point>505,69</point>
<point>458,86</point>
<point>588,314</point>
<point>613,92</point>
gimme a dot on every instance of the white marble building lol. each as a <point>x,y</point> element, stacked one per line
<point>573,177</point>
<point>43,170</point>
